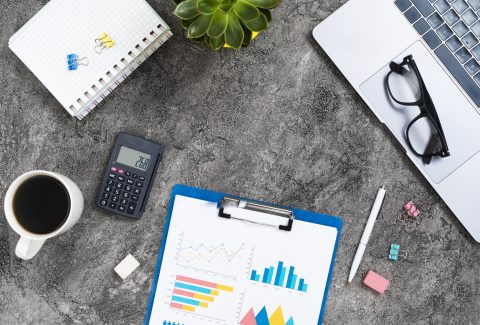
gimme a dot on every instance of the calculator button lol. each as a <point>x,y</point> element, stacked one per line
<point>126,195</point>
<point>139,184</point>
<point>134,175</point>
<point>112,175</point>
<point>115,198</point>
<point>103,203</point>
<point>121,178</point>
<point>130,181</point>
<point>117,191</point>
<point>105,196</point>
<point>110,182</point>
<point>128,188</point>
<point>108,189</point>
<point>142,178</point>
<point>114,169</point>
<point>112,205</point>
<point>122,208</point>
<point>128,173</point>
<point>137,191</point>
<point>131,208</point>
<point>119,185</point>
<point>121,171</point>
<point>135,198</point>
<point>123,201</point>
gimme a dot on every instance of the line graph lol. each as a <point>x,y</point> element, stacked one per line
<point>209,253</point>
<point>222,258</point>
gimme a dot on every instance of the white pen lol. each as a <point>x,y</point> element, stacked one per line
<point>377,206</point>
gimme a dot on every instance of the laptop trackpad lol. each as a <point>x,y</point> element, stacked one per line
<point>460,120</point>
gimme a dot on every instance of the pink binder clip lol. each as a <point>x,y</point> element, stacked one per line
<point>409,212</point>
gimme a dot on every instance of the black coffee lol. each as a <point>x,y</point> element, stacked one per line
<point>41,204</point>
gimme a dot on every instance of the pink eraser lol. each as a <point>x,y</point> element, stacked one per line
<point>408,205</point>
<point>376,282</point>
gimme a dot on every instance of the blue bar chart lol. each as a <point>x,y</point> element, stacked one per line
<point>280,276</point>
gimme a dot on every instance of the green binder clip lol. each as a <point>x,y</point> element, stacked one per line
<point>396,253</point>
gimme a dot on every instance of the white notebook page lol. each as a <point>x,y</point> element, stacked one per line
<point>66,26</point>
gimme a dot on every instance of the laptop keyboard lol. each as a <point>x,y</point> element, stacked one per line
<point>451,28</point>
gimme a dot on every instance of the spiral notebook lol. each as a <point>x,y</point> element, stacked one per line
<point>68,27</point>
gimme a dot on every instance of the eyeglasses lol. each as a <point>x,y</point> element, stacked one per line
<point>424,133</point>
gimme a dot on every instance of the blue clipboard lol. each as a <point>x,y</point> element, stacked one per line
<point>205,195</point>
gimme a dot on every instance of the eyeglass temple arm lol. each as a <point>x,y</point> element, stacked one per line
<point>397,68</point>
<point>433,111</point>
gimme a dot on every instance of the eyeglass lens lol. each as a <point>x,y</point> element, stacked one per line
<point>423,136</point>
<point>405,87</point>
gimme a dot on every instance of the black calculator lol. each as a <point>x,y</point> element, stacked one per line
<point>129,176</point>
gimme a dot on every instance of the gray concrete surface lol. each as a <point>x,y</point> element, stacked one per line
<point>274,122</point>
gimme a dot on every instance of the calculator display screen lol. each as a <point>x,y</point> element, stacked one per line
<point>133,158</point>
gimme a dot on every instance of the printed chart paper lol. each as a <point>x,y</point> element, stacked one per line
<point>227,272</point>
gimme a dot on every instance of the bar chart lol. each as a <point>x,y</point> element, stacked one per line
<point>280,277</point>
<point>191,294</point>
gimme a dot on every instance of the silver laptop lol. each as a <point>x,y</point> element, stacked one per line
<point>417,63</point>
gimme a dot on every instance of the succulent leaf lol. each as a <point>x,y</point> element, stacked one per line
<point>199,39</point>
<point>266,4</point>
<point>207,7</point>
<point>218,25</point>
<point>245,11</point>
<point>187,9</point>
<point>267,13</point>
<point>234,33</point>
<point>199,26</point>
<point>225,7</point>
<point>216,43</point>
<point>186,23</point>
<point>247,39</point>
<point>258,24</point>
<point>224,23</point>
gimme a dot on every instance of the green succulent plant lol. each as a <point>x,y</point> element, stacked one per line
<point>219,23</point>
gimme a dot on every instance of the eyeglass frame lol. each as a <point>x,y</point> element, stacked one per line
<point>426,105</point>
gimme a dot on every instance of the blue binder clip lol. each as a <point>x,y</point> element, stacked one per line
<point>395,252</point>
<point>73,61</point>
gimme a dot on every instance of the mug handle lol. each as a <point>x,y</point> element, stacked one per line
<point>28,248</point>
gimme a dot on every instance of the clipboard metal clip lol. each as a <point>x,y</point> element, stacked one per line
<point>229,202</point>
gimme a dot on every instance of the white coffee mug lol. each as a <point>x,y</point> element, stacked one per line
<point>30,243</point>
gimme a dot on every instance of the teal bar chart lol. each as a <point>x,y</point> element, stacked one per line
<point>280,276</point>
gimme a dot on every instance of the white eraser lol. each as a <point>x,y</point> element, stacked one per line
<point>127,266</point>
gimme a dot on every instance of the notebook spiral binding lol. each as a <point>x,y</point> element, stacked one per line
<point>112,78</point>
<point>257,207</point>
